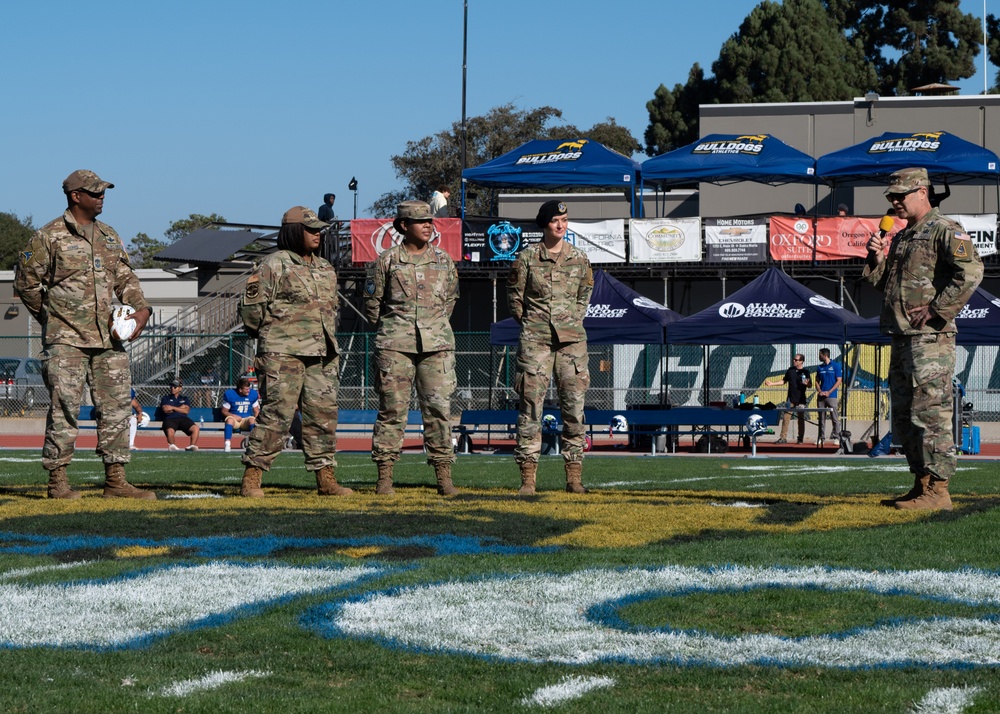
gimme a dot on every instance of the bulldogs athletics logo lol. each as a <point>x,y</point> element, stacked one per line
<point>930,141</point>
<point>504,240</point>
<point>746,144</point>
<point>566,151</point>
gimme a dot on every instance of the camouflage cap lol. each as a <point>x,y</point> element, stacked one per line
<point>303,215</point>
<point>907,180</point>
<point>83,180</point>
<point>416,211</point>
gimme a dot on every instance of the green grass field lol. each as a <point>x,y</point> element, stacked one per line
<point>681,584</point>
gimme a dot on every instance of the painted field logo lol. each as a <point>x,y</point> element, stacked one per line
<point>574,619</point>
<point>665,238</point>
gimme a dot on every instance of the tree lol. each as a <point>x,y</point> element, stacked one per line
<point>436,159</point>
<point>808,50</point>
<point>927,41</point>
<point>993,48</point>
<point>142,248</point>
<point>180,228</point>
<point>14,236</point>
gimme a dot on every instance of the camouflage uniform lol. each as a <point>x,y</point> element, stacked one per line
<point>548,295</point>
<point>410,298</point>
<point>290,306</point>
<point>68,277</point>
<point>932,262</point>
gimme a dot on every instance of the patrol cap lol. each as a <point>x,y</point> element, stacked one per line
<point>548,211</point>
<point>907,180</point>
<point>303,215</point>
<point>416,211</point>
<point>176,383</point>
<point>84,180</point>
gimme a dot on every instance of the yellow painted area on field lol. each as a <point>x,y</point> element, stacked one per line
<point>602,519</point>
<point>365,552</point>
<point>138,551</point>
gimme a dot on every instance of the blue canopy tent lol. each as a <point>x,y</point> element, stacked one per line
<point>945,156</point>
<point>774,308</point>
<point>617,315</point>
<point>554,164</point>
<point>978,324</point>
<point>729,158</point>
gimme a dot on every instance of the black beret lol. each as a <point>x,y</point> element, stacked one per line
<point>548,211</point>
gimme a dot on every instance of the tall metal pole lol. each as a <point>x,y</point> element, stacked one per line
<point>465,66</point>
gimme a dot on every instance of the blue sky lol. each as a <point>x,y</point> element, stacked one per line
<point>248,108</point>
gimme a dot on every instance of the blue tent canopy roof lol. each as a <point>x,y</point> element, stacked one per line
<point>617,315</point>
<point>551,163</point>
<point>944,155</point>
<point>728,158</point>
<point>978,324</point>
<point>773,308</point>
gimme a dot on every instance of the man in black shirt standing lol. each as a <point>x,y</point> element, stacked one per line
<point>798,380</point>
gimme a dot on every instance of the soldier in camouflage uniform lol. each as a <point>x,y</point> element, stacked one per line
<point>290,306</point>
<point>548,291</point>
<point>67,277</point>
<point>410,294</point>
<point>929,274</point>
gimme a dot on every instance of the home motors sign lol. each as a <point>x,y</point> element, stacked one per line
<point>761,309</point>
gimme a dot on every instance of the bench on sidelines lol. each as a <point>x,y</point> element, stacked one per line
<point>350,421</point>
<point>666,423</point>
<point>499,421</point>
<point>656,424</point>
<point>208,418</point>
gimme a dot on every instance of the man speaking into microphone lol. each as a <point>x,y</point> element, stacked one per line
<point>929,273</point>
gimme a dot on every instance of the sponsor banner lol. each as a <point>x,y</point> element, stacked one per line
<point>370,237</point>
<point>602,241</point>
<point>736,240</point>
<point>498,240</point>
<point>664,240</point>
<point>983,230</point>
<point>837,238</point>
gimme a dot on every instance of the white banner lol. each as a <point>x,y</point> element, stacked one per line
<point>664,240</point>
<point>983,229</point>
<point>602,241</point>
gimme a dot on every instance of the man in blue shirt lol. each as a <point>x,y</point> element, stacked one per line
<point>829,377</point>
<point>240,407</point>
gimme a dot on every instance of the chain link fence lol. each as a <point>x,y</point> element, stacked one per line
<point>622,376</point>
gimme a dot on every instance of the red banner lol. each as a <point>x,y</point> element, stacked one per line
<point>370,237</point>
<point>791,238</point>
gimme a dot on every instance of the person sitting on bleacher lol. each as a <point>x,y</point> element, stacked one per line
<point>240,407</point>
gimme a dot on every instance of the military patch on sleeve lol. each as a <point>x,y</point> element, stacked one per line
<point>26,256</point>
<point>512,277</point>
<point>370,286</point>
<point>961,244</point>
<point>253,287</point>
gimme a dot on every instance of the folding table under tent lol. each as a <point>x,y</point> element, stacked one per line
<point>554,164</point>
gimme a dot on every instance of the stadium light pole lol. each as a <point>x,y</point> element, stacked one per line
<point>353,186</point>
<point>465,67</point>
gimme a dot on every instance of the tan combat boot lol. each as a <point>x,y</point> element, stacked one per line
<point>115,485</point>
<point>383,487</point>
<point>327,485</point>
<point>528,471</point>
<point>59,485</point>
<point>574,477</point>
<point>251,483</point>
<point>919,486</point>
<point>442,472</point>
<point>934,498</point>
